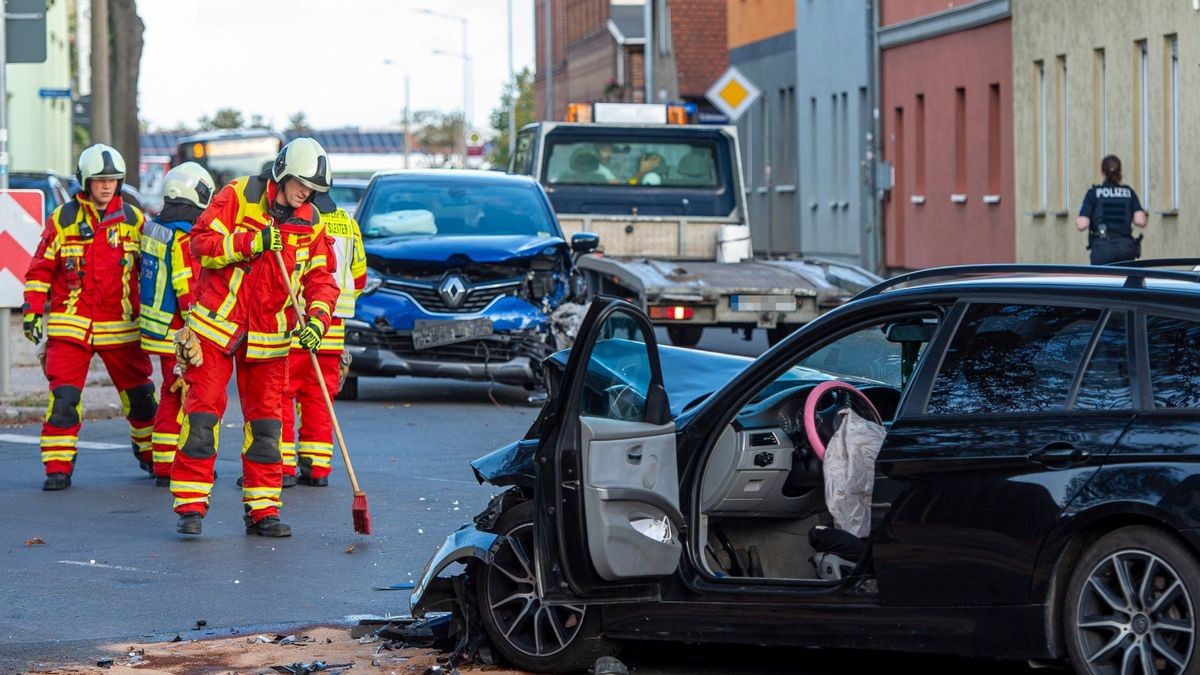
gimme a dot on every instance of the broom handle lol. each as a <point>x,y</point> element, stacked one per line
<point>337,428</point>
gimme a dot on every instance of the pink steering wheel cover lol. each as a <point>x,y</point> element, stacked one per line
<point>810,411</point>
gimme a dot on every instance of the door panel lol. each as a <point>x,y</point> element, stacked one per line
<point>631,489</point>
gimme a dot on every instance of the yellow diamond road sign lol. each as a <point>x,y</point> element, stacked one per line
<point>733,93</point>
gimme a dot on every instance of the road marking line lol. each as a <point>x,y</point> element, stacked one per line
<point>442,480</point>
<point>81,445</point>
<point>122,568</point>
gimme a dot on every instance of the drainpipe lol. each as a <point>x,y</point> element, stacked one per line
<point>648,50</point>
<point>875,259</point>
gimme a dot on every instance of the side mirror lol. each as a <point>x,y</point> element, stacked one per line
<point>584,242</point>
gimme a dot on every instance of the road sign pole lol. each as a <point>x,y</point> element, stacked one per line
<point>5,315</point>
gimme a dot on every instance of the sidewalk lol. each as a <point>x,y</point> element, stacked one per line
<point>27,402</point>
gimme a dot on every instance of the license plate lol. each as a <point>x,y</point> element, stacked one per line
<point>428,334</point>
<point>763,303</point>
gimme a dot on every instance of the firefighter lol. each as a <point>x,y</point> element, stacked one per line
<point>241,315</point>
<point>349,265</point>
<point>85,270</point>
<point>168,271</point>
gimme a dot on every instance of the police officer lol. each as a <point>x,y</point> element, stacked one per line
<point>1107,213</point>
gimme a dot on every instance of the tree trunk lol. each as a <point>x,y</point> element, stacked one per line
<point>101,124</point>
<point>124,62</point>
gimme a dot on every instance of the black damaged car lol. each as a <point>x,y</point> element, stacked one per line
<point>999,461</point>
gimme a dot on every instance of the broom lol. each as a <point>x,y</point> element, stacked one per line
<point>362,517</point>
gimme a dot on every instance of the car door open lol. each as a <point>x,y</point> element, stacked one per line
<point>608,524</point>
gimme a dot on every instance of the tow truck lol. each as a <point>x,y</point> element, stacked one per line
<point>667,199</point>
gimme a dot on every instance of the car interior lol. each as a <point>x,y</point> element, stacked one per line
<point>763,511</point>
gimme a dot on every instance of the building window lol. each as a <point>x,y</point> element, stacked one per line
<point>1040,165</point>
<point>1171,110</point>
<point>900,171</point>
<point>1142,122</point>
<point>993,178</point>
<point>919,141</point>
<point>1064,137</point>
<point>813,157</point>
<point>960,142</point>
<point>844,136</point>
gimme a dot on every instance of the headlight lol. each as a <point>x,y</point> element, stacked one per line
<point>374,281</point>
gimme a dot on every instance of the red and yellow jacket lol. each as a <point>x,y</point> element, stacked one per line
<point>242,296</point>
<point>86,267</point>
<point>349,267</point>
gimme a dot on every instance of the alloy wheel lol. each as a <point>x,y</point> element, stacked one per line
<point>511,599</point>
<point>1135,617</point>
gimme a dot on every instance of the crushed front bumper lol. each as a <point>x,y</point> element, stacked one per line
<point>436,594</point>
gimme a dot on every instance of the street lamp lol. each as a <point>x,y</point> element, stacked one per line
<point>466,74</point>
<point>407,115</point>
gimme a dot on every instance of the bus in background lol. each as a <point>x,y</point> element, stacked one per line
<point>229,154</point>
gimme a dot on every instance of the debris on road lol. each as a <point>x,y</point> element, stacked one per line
<point>35,541</point>
<point>313,667</point>
<point>298,640</point>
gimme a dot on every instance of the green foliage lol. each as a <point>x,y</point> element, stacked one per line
<point>437,132</point>
<point>522,86</point>
<point>299,122</point>
<point>225,118</point>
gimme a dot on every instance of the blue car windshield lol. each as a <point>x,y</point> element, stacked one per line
<point>411,208</point>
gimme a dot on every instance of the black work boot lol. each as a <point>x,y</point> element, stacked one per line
<point>269,527</point>
<point>289,480</point>
<point>57,481</point>
<point>162,481</point>
<point>189,523</point>
<point>307,479</point>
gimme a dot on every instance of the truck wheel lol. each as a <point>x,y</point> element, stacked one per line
<point>778,333</point>
<point>349,391</point>
<point>685,336</point>
<point>1131,605</point>
<point>528,634</point>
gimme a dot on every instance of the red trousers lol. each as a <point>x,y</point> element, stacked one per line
<point>66,368</point>
<point>303,400</point>
<point>260,384</point>
<point>168,419</point>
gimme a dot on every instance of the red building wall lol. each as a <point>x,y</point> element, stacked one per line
<point>894,11</point>
<point>962,146</point>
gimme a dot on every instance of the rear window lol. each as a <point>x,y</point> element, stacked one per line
<point>408,208</point>
<point>1012,358</point>
<point>1174,346</point>
<point>644,164</point>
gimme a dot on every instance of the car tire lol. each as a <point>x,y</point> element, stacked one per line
<point>778,333</point>
<point>1131,605</point>
<point>511,625</point>
<point>685,336</point>
<point>349,390</point>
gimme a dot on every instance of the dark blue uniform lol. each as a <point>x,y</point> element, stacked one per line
<point>1110,235</point>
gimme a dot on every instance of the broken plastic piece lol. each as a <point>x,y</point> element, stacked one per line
<point>105,663</point>
<point>609,665</point>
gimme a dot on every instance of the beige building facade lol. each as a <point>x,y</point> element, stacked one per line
<point>1099,77</point>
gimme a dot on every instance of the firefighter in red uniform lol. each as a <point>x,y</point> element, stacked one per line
<point>168,272</point>
<point>349,264</point>
<point>241,314</point>
<point>86,270</point>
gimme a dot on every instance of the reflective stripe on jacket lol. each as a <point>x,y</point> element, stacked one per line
<point>86,268</point>
<point>242,296</point>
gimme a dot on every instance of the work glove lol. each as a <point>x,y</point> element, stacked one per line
<point>33,327</point>
<point>177,371</point>
<point>269,239</point>
<point>41,350</point>
<point>187,348</point>
<point>310,335</point>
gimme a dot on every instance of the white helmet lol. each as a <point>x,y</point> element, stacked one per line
<point>305,160</point>
<point>100,161</point>
<point>189,182</point>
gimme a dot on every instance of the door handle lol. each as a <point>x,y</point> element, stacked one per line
<point>1059,452</point>
<point>634,455</point>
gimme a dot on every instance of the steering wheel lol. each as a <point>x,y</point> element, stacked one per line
<point>821,423</point>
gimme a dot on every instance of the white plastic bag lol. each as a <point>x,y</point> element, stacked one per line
<point>850,472</point>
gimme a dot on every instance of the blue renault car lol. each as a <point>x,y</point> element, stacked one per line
<point>469,277</point>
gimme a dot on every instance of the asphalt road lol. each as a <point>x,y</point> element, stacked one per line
<point>112,567</point>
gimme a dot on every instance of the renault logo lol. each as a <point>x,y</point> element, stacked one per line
<point>453,291</point>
